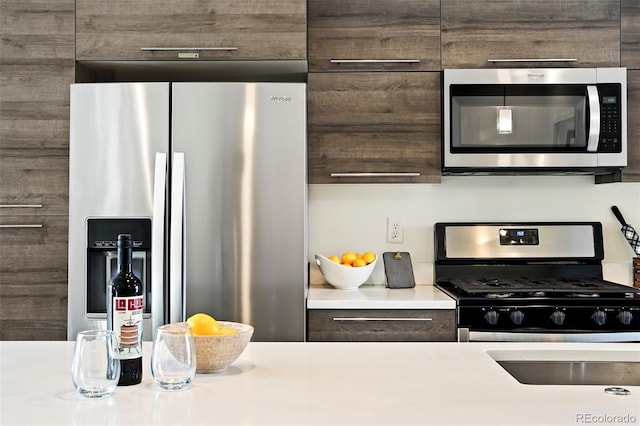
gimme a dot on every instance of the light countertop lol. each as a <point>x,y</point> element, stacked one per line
<point>324,296</point>
<point>317,384</point>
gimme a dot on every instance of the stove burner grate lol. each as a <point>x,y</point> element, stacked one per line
<point>505,287</point>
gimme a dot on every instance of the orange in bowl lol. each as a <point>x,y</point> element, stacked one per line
<point>348,276</point>
<point>215,352</point>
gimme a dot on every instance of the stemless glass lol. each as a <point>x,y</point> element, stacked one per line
<point>95,368</point>
<point>173,359</point>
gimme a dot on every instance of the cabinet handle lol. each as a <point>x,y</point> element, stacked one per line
<point>375,61</point>
<point>27,225</point>
<point>21,206</point>
<point>534,60</point>
<point>380,319</point>
<point>406,174</point>
<point>183,49</point>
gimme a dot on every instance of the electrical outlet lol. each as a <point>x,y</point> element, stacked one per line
<point>395,231</point>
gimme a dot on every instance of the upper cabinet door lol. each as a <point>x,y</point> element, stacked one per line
<point>374,127</point>
<point>631,173</point>
<point>214,29</point>
<point>37,68</point>
<point>580,33</point>
<point>630,33</point>
<point>357,35</point>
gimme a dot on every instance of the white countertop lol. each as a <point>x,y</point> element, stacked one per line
<point>315,384</point>
<point>324,296</point>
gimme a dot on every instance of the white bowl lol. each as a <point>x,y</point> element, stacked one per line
<point>216,352</point>
<point>344,277</point>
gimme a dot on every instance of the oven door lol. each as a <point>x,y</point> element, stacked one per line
<point>467,335</point>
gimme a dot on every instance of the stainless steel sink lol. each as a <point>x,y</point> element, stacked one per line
<point>574,372</point>
<point>619,368</point>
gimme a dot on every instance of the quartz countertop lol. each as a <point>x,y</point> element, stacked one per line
<point>317,384</point>
<point>324,296</point>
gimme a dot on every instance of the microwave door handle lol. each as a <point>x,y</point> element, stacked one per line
<point>177,257</point>
<point>594,118</point>
<point>158,296</point>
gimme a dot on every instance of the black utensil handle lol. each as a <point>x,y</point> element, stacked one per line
<point>618,215</point>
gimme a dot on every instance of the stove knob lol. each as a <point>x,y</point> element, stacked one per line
<point>516,317</point>
<point>557,317</point>
<point>599,317</point>
<point>625,317</point>
<point>491,317</point>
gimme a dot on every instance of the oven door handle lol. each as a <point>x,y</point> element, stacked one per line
<point>594,119</point>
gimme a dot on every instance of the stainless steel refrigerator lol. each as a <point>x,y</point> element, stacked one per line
<point>211,180</point>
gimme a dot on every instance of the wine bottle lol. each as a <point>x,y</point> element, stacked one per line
<point>124,314</point>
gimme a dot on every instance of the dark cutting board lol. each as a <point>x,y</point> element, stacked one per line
<point>398,269</point>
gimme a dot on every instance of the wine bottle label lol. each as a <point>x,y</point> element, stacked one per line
<point>127,325</point>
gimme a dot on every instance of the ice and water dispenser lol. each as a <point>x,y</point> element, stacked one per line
<point>102,260</point>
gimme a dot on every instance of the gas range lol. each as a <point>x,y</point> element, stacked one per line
<point>533,282</point>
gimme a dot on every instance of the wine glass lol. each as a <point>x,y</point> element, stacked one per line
<point>173,358</point>
<point>95,368</point>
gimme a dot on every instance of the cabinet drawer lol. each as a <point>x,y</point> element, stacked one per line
<point>400,35</point>
<point>229,29</point>
<point>374,127</point>
<point>585,30</point>
<point>34,181</point>
<point>33,278</point>
<point>396,325</point>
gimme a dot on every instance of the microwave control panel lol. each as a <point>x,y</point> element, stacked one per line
<point>610,138</point>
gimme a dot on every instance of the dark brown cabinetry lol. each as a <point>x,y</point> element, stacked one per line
<point>630,58</point>
<point>630,33</point>
<point>401,35</point>
<point>585,30</point>
<point>374,127</point>
<point>229,29</point>
<point>37,66</point>
<point>631,173</point>
<point>394,325</point>
<point>33,286</point>
<point>367,126</point>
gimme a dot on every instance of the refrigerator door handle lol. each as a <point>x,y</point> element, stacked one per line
<point>177,302</point>
<point>157,242</point>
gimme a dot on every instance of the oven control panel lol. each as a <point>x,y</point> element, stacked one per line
<point>519,237</point>
<point>518,242</point>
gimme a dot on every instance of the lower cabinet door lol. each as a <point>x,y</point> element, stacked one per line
<point>381,325</point>
<point>33,277</point>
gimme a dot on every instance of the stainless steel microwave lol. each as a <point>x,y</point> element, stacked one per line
<point>531,121</point>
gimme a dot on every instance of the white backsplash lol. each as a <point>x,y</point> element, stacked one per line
<point>353,217</point>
